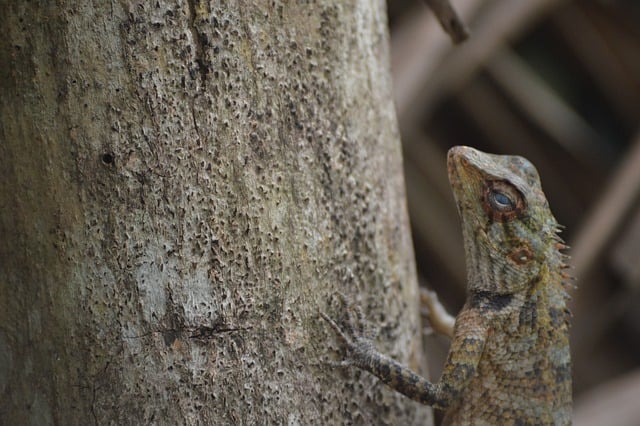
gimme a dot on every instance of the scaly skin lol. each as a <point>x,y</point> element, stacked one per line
<point>509,361</point>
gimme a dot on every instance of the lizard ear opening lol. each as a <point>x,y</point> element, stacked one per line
<point>502,201</point>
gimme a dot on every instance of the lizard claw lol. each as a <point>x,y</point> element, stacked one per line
<point>352,331</point>
<point>345,337</point>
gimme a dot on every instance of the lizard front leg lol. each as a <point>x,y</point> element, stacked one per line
<point>466,349</point>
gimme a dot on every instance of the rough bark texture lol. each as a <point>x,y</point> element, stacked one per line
<point>183,186</point>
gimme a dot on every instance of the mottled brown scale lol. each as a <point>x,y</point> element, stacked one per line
<point>509,359</point>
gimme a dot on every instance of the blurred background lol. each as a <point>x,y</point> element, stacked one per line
<point>557,82</point>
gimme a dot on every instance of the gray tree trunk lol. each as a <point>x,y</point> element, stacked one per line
<point>183,187</point>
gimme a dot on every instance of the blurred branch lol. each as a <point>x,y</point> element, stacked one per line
<point>595,48</point>
<point>449,20</point>
<point>417,48</point>
<point>547,109</point>
<point>501,21</point>
<point>603,220</point>
<point>602,223</point>
<point>625,257</point>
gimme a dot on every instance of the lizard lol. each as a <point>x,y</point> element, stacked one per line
<point>509,361</point>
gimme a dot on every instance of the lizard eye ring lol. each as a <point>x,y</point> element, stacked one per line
<point>502,201</point>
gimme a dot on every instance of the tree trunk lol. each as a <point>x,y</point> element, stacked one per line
<point>183,187</point>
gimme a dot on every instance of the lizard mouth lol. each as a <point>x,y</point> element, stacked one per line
<point>482,237</point>
<point>461,160</point>
<point>454,157</point>
<point>463,176</point>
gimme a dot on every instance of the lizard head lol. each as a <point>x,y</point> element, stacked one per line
<point>509,232</point>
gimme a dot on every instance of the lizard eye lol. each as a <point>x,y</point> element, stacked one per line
<point>502,201</point>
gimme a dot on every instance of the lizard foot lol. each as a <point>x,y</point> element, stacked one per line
<point>353,331</point>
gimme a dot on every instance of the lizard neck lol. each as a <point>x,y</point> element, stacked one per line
<point>509,258</point>
<point>498,275</point>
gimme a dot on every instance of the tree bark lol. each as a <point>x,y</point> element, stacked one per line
<point>183,187</point>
